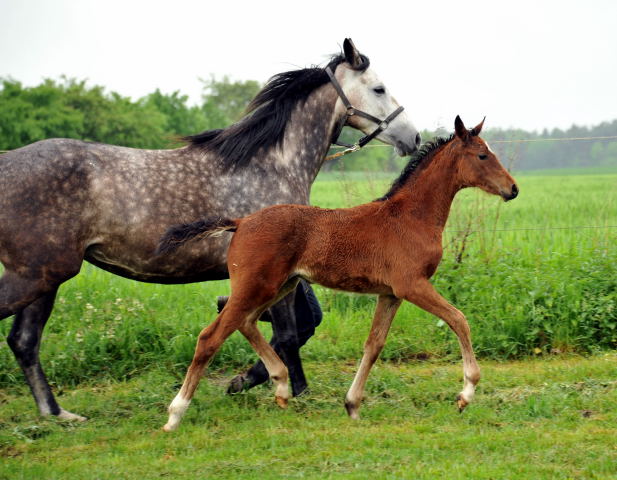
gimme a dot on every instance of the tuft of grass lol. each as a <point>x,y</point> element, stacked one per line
<point>553,418</point>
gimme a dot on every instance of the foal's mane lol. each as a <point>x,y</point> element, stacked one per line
<point>420,159</point>
<point>266,116</point>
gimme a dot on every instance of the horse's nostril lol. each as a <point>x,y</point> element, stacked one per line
<point>514,191</point>
<point>418,139</point>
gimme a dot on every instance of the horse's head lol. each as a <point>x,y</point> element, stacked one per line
<point>368,94</point>
<point>478,166</point>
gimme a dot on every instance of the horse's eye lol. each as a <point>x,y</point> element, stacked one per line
<point>482,157</point>
<point>379,90</point>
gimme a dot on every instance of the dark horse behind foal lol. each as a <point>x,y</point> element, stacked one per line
<point>63,201</point>
<point>390,247</point>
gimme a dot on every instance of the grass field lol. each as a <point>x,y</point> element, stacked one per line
<point>534,279</point>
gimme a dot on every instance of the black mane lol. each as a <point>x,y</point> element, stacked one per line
<point>267,115</point>
<point>418,160</point>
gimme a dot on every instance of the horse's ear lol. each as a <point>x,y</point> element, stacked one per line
<point>352,56</point>
<point>478,128</point>
<point>459,128</point>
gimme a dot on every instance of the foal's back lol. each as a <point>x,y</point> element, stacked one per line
<point>348,249</point>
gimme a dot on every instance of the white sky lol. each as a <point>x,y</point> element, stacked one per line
<point>526,64</point>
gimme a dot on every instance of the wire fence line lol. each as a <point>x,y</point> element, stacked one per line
<point>521,140</point>
<point>523,229</point>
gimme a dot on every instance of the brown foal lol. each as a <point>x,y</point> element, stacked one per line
<point>390,247</point>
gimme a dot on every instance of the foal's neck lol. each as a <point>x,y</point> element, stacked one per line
<point>428,195</point>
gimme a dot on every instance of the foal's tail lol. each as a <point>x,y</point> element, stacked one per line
<point>178,235</point>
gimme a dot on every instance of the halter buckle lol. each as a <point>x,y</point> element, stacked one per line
<point>351,111</point>
<point>384,124</point>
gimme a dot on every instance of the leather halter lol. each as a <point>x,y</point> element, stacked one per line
<point>351,110</point>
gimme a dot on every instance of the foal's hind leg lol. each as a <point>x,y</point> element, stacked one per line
<point>384,314</point>
<point>424,295</point>
<point>308,316</point>
<point>285,340</point>
<point>209,341</point>
<point>25,340</point>
<point>274,365</point>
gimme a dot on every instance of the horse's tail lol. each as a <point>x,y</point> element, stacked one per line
<point>178,235</point>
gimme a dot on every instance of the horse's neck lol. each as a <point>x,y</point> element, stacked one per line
<point>308,134</point>
<point>428,195</point>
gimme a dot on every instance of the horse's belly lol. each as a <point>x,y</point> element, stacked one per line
<point>179,268</point>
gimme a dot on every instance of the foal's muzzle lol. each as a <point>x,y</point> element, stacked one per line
<point>512,195</point>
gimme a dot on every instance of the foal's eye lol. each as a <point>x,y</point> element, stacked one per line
<point>482,157</point>
<point>379,90</point>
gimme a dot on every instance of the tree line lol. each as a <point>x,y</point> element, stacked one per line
<point>70,108</point>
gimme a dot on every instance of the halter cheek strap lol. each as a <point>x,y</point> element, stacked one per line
<point>351,110</point>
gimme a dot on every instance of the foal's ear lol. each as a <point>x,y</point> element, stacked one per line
<point>460,130</point>
<point>478,128</point>
<point>352,56</point>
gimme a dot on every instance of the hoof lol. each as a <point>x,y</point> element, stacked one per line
<point>169,428</point>
<point>238,384</point>
<point>70,417</point>
<point>352,411</point>
<point>281,402</point>
<point>461,402</point>
<point>299,390</point>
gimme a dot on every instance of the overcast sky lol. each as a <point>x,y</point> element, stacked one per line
<point>526,64</point>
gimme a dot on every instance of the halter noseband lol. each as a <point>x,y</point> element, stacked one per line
<point>351,110</point>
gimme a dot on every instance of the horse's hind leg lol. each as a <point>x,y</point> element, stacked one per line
<point>25,340</point>
<point>17,292</point>
<point>384,314</point>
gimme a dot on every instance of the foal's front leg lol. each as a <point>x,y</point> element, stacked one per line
<point>424,295</point>
<point>384,314</point>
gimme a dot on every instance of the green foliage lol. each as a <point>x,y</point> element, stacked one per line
<point>70,108</point>
<point>228,98</point>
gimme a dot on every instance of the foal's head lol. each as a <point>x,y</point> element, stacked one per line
<point>478,165</point>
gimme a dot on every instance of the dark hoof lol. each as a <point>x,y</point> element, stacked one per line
<point>238,384</point>
<point>305,392</point>
<point>301,390</point>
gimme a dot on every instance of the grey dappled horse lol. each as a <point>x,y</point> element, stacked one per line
<point>63,201</point>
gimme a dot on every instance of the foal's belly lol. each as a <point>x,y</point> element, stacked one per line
<point>342,282</point>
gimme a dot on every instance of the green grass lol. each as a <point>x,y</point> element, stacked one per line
<point>116,350</point>
<point>553,418</point>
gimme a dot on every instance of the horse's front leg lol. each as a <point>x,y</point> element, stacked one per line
<point>384,314</point>
<point>424,295</point>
